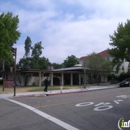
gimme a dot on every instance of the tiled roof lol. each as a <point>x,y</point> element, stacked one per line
<point>82,58</point>
<point>103,53</point>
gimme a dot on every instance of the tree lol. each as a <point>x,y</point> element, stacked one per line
<point>120,41</point>
<point>57,66</point>
<point>40,63</point>
<point>70,61</point>
<point>24,63</point>
<point>27,46</point>
<point>32,63</point>
<point>37,49</point>
<point>97,64</point>
<point>8,35</point>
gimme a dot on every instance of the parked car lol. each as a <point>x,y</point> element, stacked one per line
<point>125,83</point>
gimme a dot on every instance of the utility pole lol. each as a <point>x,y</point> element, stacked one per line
<point>14,53</point>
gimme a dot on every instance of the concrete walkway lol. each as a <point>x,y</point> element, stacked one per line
<point>56,92</point>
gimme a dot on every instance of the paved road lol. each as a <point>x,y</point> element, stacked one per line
<point>94,110</point>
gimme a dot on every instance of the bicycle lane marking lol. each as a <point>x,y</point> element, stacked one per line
<point>47,116</point>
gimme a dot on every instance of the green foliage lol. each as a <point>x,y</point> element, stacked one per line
<point>97,64</point>
<point>123,76</point>
<point>8,35</point>
<point>37,49</point>
<point>33,63</point>
<point>27,46</point>
<point>120,41</point>
<point>70,61</point>
<point>56,65</point>
<point>118,78</point>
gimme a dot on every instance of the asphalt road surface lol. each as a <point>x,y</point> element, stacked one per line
<point>93,110</point>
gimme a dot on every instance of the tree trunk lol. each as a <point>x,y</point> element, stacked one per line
<point>3,65</point>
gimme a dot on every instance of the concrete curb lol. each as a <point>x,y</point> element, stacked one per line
<point>61,93</point>
<point>52,93</point>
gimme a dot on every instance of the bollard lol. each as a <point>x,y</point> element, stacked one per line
<point>61,87</point>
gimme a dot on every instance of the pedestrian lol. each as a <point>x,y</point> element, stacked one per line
<point>46,83</point>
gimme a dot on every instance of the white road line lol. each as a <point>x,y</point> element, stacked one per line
<point>48,117</point>
<point>117,101</point>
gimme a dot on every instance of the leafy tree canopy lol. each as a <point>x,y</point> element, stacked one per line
<point>37,49</point>
<point>70,61</point>
<point>32,63</point>
<point>8,35</point>
<point>57,66</point>
<point>120,41</point>
<point>97,63</point>
<point>27,46</point>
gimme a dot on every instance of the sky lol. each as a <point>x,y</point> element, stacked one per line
<point>67,27</point>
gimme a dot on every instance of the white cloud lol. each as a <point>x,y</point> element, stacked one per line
<point>64,32</point>
<point>33,21</point>
<point>77,38</point>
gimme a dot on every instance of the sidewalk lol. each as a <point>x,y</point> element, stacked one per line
<point>57,92</point>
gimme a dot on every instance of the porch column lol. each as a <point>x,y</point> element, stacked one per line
<point>79,79</point>
<point>102,78</point>
<point>87,78</point>
<point>106,78</point>
<point>51,78</point>
<point>84,80</point>
<point>71,78</point>
<point>62,79</point>
<point>39,79</point>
